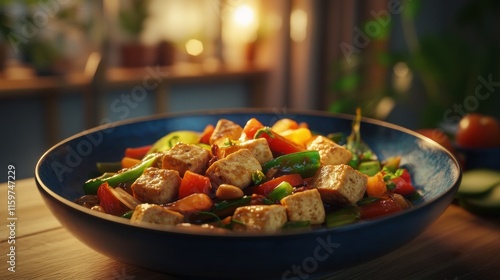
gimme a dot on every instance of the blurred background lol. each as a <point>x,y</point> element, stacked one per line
<point>69,65</point>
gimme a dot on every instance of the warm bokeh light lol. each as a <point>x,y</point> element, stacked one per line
<point>244,15</point>
<point>177,20</point>
<point>401,69</point>
<point>298,25</point>
<point>194,47</point>
<point>402,77</point>
<point>240,24</point>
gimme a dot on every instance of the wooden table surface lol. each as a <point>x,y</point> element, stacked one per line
<point>459,245</point>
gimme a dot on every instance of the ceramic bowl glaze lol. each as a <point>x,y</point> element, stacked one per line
<point>62,170</point>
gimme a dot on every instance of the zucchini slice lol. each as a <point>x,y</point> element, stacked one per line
<point>478,182</point>
<point>488,204</point>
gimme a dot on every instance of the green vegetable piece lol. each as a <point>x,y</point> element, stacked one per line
<point>266,130</point>
<point>392,175</point>
<point>168,141</point>
<point>392,164</point>
<point>297,225</point>
<point>130,174</point>
<point>366,200</point>
<point>344,216</point>
<point>258,177</point>
<point>487,204</point>
<point>106,175</point>
<point>281,190</point>
<point>354,162</point>
<point>369,168</point>
<point>227,207</point>
<point>128,214</point>
<point>359,149</point>
<point>304,163</point>
<point>478,182</point>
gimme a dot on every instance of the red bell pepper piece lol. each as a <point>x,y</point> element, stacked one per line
<point>267,187</point>
<point>109,202</point>
<point>194,183</point>
<point>137,152</point>
<point>379,208</point>
<point>277,143</point>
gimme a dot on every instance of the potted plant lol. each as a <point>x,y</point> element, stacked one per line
<point>131,20</point>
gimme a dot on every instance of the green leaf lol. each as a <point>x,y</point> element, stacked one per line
<point>411,8</point>
<point>348,83</point>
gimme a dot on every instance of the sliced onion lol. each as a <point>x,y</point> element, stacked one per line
<point>125,198</point>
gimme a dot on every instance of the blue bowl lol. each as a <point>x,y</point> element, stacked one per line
<point>62,170</point>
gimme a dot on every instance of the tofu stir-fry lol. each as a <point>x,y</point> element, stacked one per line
<point>251,178</point>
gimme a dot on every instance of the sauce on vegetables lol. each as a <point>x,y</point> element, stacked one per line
<point>251,178</point>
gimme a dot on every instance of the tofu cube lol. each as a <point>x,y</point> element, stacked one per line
<point>260,218</point>
<point>339,184</point>
<point>155,214</point>
<point>226,129</point>
<point>235,169</point>
<point>183,157</point>
<point>330,152</point>
<point>157,186</point>
<point>258,147</point>
<point>305,206</point>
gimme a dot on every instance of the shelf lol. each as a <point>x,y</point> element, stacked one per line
<point>178,74</point>
<point>124,77</point>
<point>31,86</point>
<point>152,78</point>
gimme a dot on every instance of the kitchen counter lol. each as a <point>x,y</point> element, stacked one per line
<point>459,245</point>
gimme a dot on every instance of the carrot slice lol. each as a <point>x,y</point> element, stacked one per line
<point>128,162</point>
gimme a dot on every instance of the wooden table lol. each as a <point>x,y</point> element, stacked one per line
<point>458,245</point>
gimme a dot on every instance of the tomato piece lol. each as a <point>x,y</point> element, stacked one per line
<point>109,202</point>
<point>206,134</point>
<point>137,152</point>
<point>267,187</point>
<point>402,186</point>
<point>194,183</point>
<point>379,208</point>
<point>478,131</point>
<point>406,176</point>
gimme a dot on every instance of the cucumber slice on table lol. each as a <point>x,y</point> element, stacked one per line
<point>487,204</point>
<point>478,182</point>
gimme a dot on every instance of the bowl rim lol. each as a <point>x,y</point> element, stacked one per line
<point>232,234</point>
